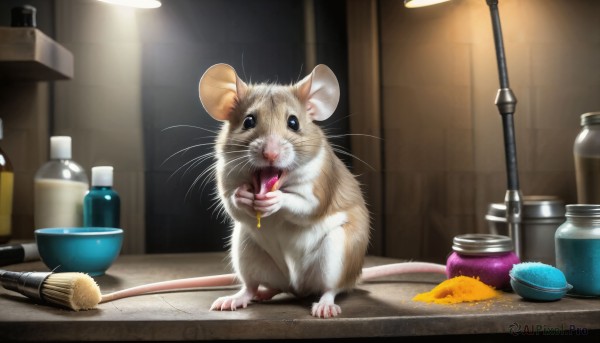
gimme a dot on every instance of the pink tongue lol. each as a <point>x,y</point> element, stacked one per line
<point>267,177</point>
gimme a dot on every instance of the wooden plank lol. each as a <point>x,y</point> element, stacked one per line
<point>376,309</point>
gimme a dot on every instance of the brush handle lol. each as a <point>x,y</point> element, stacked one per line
<point>26,283</point>
<point>17,253</point>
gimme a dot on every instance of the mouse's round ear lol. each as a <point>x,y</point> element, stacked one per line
<point>220,90</point>
<point>320,92</point>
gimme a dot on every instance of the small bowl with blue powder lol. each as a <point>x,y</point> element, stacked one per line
<point>538,281</point>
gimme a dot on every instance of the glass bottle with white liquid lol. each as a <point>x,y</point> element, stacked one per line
<point>59,188</point>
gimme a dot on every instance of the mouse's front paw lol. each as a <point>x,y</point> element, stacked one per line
<point>243,197</point>
<point>269,203</point>
<point>325,310</point>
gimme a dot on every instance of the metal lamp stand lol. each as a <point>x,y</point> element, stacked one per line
<point>506,103</point>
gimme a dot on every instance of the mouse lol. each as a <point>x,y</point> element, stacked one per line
<point>299,219</point>
<point>315,225</point>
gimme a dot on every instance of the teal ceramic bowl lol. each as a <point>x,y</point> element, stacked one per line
<point>90,250</point>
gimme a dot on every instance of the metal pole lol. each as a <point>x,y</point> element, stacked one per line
<point>506,103</point>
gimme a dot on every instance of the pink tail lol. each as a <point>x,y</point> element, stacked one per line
<point>205,281</point>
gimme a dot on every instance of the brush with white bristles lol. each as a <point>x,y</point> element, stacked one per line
<point>76,291</point>
<point>79,291</point>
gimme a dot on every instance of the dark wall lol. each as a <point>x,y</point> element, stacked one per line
<point>332,50</point>
<point>264,41</point>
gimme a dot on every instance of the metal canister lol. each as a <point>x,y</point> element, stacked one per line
<point>541,216</point>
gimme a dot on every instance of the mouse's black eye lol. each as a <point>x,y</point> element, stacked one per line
<point>249,121</point>
<point>293,123</point>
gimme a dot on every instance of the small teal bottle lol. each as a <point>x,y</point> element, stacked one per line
<point>102,204</point>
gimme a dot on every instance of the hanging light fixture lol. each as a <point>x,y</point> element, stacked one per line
<point>421,3</point>
<point>135,3</point>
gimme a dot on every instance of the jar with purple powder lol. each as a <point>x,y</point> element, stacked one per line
<point>487,257</point>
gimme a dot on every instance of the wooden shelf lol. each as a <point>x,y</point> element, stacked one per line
<point>26,53</point>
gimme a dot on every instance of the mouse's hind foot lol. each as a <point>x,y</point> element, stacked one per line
<point>233,302</point>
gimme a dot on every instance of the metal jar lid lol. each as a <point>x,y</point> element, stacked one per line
<point>482,244</point>
<point>583,210</point>
<point>590,118</point>
<point>534,207</point>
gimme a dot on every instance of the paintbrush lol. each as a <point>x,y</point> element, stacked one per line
<point>79,291</point>
<point>75,291</point>
<point>17,253</point>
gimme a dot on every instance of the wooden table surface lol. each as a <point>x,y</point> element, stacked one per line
<point>381,309</point>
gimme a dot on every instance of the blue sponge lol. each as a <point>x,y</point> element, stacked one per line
<point>538,281</point>
<point>539,274</point>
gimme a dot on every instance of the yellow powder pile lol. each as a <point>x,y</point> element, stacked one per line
<point>458,289</point>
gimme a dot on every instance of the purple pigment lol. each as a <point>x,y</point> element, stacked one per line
<point>490,269</point>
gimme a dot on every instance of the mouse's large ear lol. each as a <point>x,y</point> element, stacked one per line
<point>220,91</point>
<point>320,92</point>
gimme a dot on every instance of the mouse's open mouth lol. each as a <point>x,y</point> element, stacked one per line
<point>267,180</point>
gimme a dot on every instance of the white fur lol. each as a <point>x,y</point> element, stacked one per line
<point>300,200</point>
<point>301,260</point>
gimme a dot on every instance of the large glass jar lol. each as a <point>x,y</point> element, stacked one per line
<point>586,152</point>
<point>487,257</point>
<point>578,249</point>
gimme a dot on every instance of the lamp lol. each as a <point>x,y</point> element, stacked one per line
<point>506,103</point>
<point>135,3</point>
<point>421,3</point>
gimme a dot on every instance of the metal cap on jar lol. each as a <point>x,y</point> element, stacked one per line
<point>479,243</point>
<point>583,210</point>
<point>590,118</point>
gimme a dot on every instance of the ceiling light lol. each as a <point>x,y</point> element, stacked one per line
<point>421,3</point>
<point>135,3</point>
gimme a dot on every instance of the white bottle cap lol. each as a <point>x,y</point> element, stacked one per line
<point>102,176</point>
<point>60,148</point>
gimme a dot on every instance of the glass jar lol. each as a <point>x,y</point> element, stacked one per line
<point>586,152</point>
<point>59,187</point>
<point>487,257</point>
<point>578,249</point>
